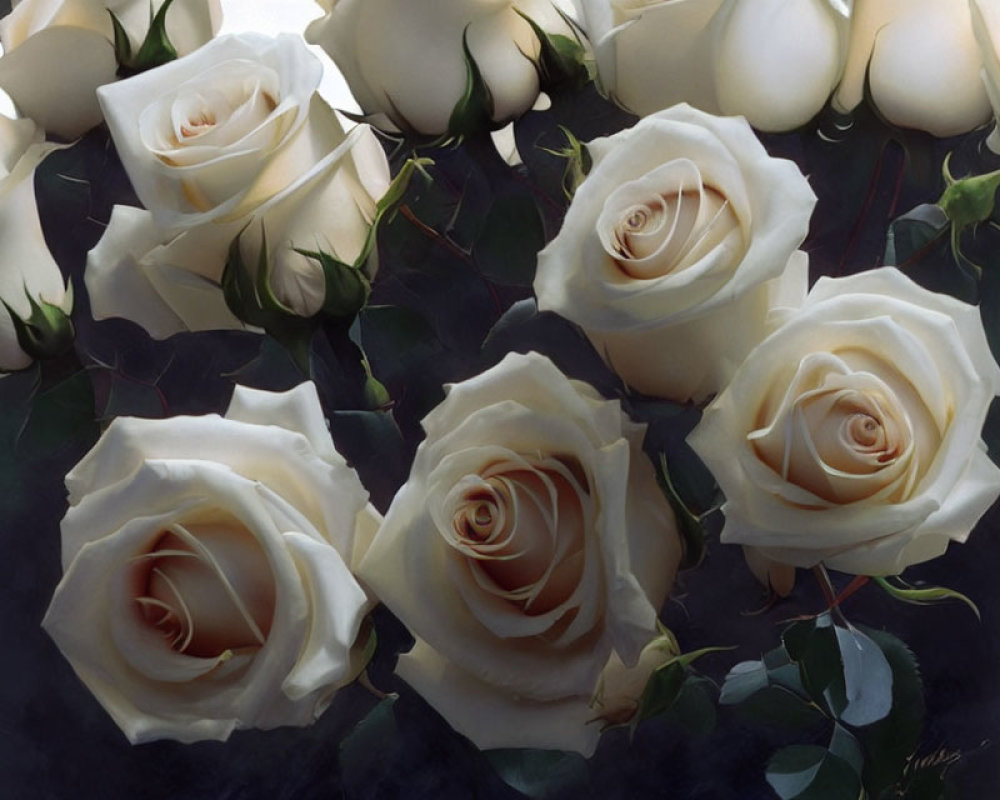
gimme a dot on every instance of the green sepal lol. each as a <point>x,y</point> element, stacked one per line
<point>667,681</point>
<point>578,162</point>
<point>46,333</point>
<point>390,201</point>
<point>376,396</point>
<point>156,49</point>
<point>923,597</point>
<point>346,287</point>
<point>688,523</point>
<point>123,45</point>
<point>561,60</point>
<point>473,113</point>
<point>251,299</point>
<point>966,203</point>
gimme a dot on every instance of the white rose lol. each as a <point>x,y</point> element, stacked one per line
<point>38,37</point>
<point>28,273</point>
<point>773,61</point>
<point>169,284</point>
<point>920,61</point>
<point>530,543</point>
<point>215,134</point>
<point>264,150</point>
<point>405,62</point>
<point>986,27</point>
<point>207,581</point>
<point>851,436</point>
<point>675,247</point>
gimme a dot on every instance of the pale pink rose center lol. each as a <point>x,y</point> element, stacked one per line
<point>663,224</point>
<point>522,530</point>
<point>843,443</point>
<point>208,589</point>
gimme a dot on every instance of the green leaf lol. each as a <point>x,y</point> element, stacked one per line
<point>359,748</point>
<point>661,690</point>
<point>771,691</point>
<point>694,706</point>
<point>689,524</point>
<point>62,416</point>
<point>890,742</point>
<point>396,340</point>
<point>508,244</point>
<point>867,678</point>
<point>810,772</point>
<point>928,595</point>
<point>742,681</point>
<point>667,681</point>
<point>781,707</point>
<point>912,235</point>
<point>845,746</point>
<point>539,773</point>
<point>815,647</point>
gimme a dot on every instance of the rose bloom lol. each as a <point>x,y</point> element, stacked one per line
<point>207,581</point>
<point>773,61</point>
<point>405,64</point>
<point>232,138</point>
<point>28,273</point>
<point>530,543</point>
<point>986,27</point>
<point>851,435</point>
<point>675,247</point>
<point>38,35</point>
<point>920,62</point>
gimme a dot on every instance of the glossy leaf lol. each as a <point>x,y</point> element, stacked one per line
<point>867,678</point>
<point>540,773</point>
<point>891,741</point>
<point>810,772</point>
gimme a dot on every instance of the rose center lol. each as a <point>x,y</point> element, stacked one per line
<point>665,222</point>
<point>208,588</point>
<point>865,431</point>
<point>521,528</point>
<point>198,124</point>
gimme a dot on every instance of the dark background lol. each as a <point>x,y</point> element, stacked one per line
<point>57,742</point>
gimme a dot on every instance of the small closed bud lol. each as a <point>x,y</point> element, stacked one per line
<point>621,687</point>
<point>48,331</point>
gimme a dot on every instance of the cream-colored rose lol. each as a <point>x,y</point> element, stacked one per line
<point>57,52</point>
<point>530,543</point>
<point>851,435</point>
<point>920,61</point>
<point>986,27</point>
<point>405,63</point>
<point>168,284</point>
<point>241,144</point>
<point>215,134</point>
<point>773,61</point>
<point>28,273</point>
<point>207,563</point>
<point>675,248</point>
